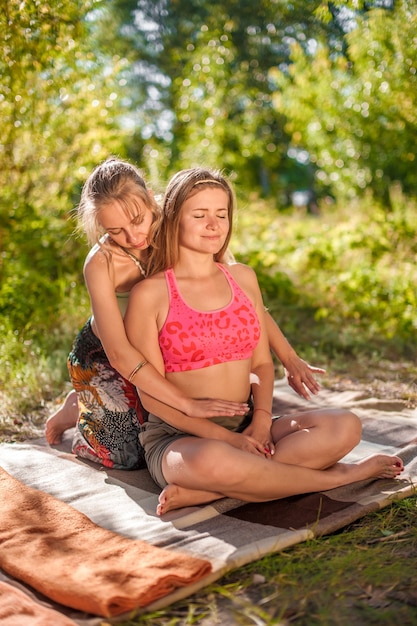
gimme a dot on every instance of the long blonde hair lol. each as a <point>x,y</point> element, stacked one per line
<point>183,185</point>
<point>113,180</point>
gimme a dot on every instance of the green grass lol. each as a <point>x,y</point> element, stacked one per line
<point>364,574</point>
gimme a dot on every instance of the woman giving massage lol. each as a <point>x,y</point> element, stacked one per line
<point>204,326</point>
<point>117,212</point>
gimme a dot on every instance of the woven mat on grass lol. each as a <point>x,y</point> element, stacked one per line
<point>225,534</point>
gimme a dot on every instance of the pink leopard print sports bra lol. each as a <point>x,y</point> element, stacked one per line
<point>192,339</point>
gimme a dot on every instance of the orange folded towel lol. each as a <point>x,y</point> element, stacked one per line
<point>64,555</point>
<point>17,609</point>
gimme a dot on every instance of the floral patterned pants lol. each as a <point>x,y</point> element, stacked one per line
<point>110,411</point>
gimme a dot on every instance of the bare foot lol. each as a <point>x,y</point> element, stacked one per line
<point>64,417</point>
<point>175,497</point>
<point>375,466</point>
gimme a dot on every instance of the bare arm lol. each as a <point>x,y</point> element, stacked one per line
<point>143,331</point>
<point>262,369</point>
<point>124,357</point>
<point>299,373</point>
<point>203,428</point>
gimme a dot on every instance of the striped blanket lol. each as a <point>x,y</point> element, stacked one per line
<point>199,543</point>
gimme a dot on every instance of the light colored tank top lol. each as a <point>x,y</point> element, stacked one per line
<point>122,300</point>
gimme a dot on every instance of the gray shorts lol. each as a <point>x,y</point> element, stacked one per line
<point>155,437</point>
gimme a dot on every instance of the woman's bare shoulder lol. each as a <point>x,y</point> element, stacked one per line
<point>246,278</point>
<point>151,286</point>
<point>99,256</point>
<point>97,264</point>
<point>241,271</point>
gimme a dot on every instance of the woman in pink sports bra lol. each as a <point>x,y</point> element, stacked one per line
<point>116,212</point>
<point>204,326</point>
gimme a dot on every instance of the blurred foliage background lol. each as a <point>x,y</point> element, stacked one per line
<point>309,106</point>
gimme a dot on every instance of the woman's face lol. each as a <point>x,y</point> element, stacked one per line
<point>204,222</point>
<point>129,229</point>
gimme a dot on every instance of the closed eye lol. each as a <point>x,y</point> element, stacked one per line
<point>136,221</point>
<point>223,215</point>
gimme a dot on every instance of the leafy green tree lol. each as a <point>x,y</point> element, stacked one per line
<point>59,116</point>
<point>355,112</point>
<point>204,67</point>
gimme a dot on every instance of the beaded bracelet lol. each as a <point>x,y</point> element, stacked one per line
<point>136,369</point>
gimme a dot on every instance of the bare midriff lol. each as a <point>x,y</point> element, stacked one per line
<point>228,381</point>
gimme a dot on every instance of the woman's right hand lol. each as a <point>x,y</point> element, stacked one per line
<point>247,444</point>
<point>212,407</point>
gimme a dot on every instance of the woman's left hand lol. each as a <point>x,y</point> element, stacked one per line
<point>300,376</point>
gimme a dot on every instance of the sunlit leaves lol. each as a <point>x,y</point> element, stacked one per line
<point>59,108</point>
<point>56,95</point>
<point>356,114</point>
<point>351,273</point>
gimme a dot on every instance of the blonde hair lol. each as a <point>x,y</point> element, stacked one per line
<point>113,180</point>
<point>183,185</point>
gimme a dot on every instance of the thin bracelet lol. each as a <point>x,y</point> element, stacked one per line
<point>263,411</point>
<point>136,369</point>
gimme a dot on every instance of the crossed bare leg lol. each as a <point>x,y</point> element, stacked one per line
<point>377,466</point>
<point>64,417</point>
